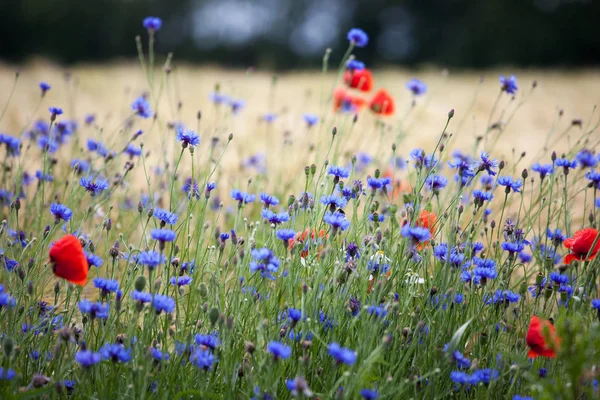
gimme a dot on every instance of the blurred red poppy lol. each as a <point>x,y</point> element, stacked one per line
<point>361,80</point>
<point>541,338</point>
<point>581,244</point>
<point>382,103</point>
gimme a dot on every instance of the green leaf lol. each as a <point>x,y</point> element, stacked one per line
<point>457,336</point>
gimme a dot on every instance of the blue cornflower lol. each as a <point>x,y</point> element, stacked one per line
<point>141,107</point>
<point>95,310</point>
<point>43,177</point>
<point>115,353</point>
<point>187,137</point>
<point>416,234</point>
<point>285,234</point>
<point>341,354</point>
<point>5,196</point>
<point>593,177</point>
<point>458,298</point>
<point>94,188</point>
<point>566,164</point>
<point>165,216</point>
<point>181,280</point>
<point>459,377</point>
<point>48,144</point>
<point>279,350</point>
<point>294,314</point>
<point>310,119</point>
<point>513,247</point>
<point>106,285</point>
<point>337,220</point>
<point>481,273</point>
<point>218,98</point>
<point>502,296</point>
<point>334,202</point>
<point>236,105</point>
<point>416,86</point>
<point>369,394</point>
<point>556,236</point>
<point>481,196</point>
<point>6,300</point>
<point>163,303</point>
<point>518,397</point>
<point>596,304</point>
<point>352,252</point>
<point>93,260</point>
<point>464,166</point>
<point>338,172</point>
<point>509,183</point>
<point>483,376</point>
<point>13,144</point>
<point>269,117</point>
<point>44,87</point>
<point>378,311</point>
<point>210,186</point>
<point>54,111</point>
<point>543,170</point>
<point>202,359</point>
<point>558,278</point>
<point>158,355</point>
<point>598,202</point>
<point>11,264</point>
<point>358,37</point>
<point>436,182</point>
<point>509,85</point>
<point>275,218</point>
<point>242,197</point>
<point>380,217</point>
<point>163,235</point>
<point>142,297</point>
<point>132,150</point>
<point>525,257</point>
<point>152,23</point>
<point>377,183</point>
<point>265,262</point>
<point>211,341</point>
<point>486,164</point>
<point>224,236</point>
<point>268,200</point>
<point>355,65</point>
<point>461,361</point>
<point>586,158</point>
<point>61,212</point>
<point>484,262</point>
<point>80,165</point>
<point>151,258</point>
<point>87,358</point>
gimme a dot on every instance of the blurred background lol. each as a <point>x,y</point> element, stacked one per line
<point>292,34</point>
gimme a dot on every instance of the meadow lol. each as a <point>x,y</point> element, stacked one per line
<point>170,231</point>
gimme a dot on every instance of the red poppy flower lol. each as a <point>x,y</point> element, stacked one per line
<point>382,103</point>
<point>427,220</point>
<point>342,99</point>
<point>69,261</point>
<point>361,80</point>
<point>581,245</point>
<point>301,237</point>
<point>541,338</point>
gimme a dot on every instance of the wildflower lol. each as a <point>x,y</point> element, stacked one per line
<point>141,107</point>
<point>211,341</point>
<point>556,236</point>
<point>181,280</point>
<point>269,117</point>
<point>586,158</point>
<point>566,164</point>
<point>541,338</point>
<point>481,274</point>
<point>593,177</point>
<point>94,188</point>
<point>369,394</point>
<point>377,183</point>
<point>286,234</point>
<point>13,144</point>
<point>223,237</point>
<point>264,261</point>
<point>513,247</point>
<point>435,183</point>
<point>163,303</point>
<point>158,355</point>
<point>95,310</point>
<point>502,296</point>
<point>461,361</point>
<point>509,85</point>
<point>337,220</point>
<point>87,358</point>
<point>152,23</point>
<point>151,258</point>
<point>484,376</point>
<point>376,217</point>
<point>44,87</point>
<point>268,200</point>
<point>379,312</point>
<point>382,103</point>
<point>346,102</point>
<point>558,278</point>
<point>202,359</point>
<point>210,186</point>
<point>416,234</point>
<point>142,297</point>
<point>132,150</point>
<point>417,87</point>
<point>338,172</point>
<point>61,212</point>
<point>509,183</point>
<point>583,246</point>
<point>241,197</point>
<point>358,37</point>
<point>218,98</point>
<point>106,285</point>
<point>275,218</point>
<point>236,105</point>
<point>333,202</point>
<point>279,350</point>
<point>115,353</point>
<point>68,260</point>
<point>543,170</point>
<point>166,217</point>
<point>187,137</point>
<point>423,160</point>
<point>342,355</point>
<point>459,377</point>
<point>458,298</point>
<point>54,111</point>
<point>359,79</point>
<point>163,235</point>
<point>518,397</point>
<point>6,300</point>
<point>80,166</point>
<point>43,177</point>
<point>355,65</point>
<point>191,188</point>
